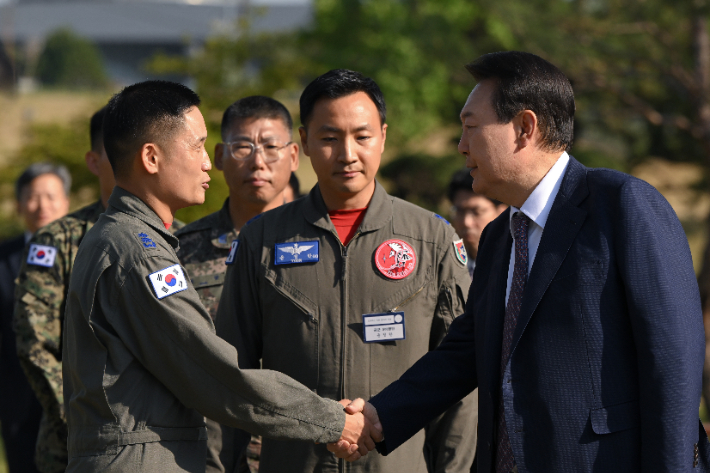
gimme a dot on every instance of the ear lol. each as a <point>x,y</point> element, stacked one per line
<point>527,128</point>
<point>384,137</point>
<point>219,149</point>
<point>150,157</point>
<point>92,159</point>
<point>304,139</point>
<point>293,149</point>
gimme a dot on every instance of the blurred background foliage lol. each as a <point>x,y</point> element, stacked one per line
<point>71,62</point>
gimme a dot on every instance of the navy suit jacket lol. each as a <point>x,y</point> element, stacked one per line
<point>607,355</point>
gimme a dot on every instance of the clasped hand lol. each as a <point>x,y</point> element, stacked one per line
<point>362,430</point>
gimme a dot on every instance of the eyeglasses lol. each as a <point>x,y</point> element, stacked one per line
<point>243,150</point>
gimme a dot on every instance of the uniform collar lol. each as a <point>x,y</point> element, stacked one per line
<point>379,211</point>
<point>224,233</point>
<point>124,201</point>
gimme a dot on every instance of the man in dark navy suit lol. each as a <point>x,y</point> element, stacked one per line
<point>42,193</point>
<point>583,329</point>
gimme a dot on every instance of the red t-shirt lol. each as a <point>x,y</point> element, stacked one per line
<point>347,222</point>
<point>167,225</point>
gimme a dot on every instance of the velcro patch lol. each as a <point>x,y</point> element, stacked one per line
<point>460,250</point>
<point>41,255</point>
<point>168,281</point>
<point>232,252</point>
<point>297,252</point>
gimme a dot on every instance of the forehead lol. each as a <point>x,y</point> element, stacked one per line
<point>247,127</point>
<point>354,109</point>
<point>194,121</point>
<point>480,100</point>
<point>44,182</point>
<point>469,199</point>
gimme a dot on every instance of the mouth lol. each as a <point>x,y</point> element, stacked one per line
<point>257,182</point>
<point>347,173</point>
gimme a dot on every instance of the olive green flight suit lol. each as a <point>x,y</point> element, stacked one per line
<point>204,247</point>
<point>40,297</point>
<point>140,372</point>
<point>305,320</point>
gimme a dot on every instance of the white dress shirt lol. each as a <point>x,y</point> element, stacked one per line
<point>537,208</point>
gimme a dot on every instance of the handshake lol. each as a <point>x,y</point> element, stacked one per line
<point>362,429</point>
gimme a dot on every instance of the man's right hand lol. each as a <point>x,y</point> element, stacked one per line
<point>362,430</point>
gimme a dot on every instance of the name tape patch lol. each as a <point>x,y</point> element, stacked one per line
<point>168,281</point>
<point>232,252</point>
<point>296,252</point>
<point>41,255</point>
<point>383,327</point>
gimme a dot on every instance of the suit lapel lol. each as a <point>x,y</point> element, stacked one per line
<point>498,278</point>
<point>563,224</point>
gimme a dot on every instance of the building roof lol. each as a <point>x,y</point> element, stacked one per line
<point>126,21</point>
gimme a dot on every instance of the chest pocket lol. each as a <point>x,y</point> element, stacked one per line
<point>290,330</point>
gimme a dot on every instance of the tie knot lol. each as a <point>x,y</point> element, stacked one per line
<point>520,225</point>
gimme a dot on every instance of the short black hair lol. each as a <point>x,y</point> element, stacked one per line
<point>462,181</point>
<point>255,107</point>
<point>96,131</point>
<point>525,81</point>
<point>38,169</point>
<point>150,111</point>
<point>338,83</point>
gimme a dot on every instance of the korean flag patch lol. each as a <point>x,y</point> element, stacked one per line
<point>168,281</point>
<point>41,255</point>
<point>232,252</point>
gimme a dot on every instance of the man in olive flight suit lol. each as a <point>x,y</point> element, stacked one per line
<point>346,288</point>
<point>257,157</point>
<point>40,301</point>
<point>142,364</point>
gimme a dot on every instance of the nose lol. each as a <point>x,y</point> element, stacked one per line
<point>257,158</point>
<point>349,153</point>
<point>206,163</point>
<point>463,146</point>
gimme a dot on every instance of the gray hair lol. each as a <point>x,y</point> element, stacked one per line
<point>37,169</point>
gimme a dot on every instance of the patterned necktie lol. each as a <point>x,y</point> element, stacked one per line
<point>504,452</point>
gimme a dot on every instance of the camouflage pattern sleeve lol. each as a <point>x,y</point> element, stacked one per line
<point>39,303</point>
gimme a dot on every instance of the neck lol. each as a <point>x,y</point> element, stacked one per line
<point>163,210</point>
<point>105,194</point>
<point>342,201</point>
<point>241,212</point>
<point>529,178</point>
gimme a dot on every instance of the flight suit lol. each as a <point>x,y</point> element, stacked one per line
<point>38,318</point>
<point>204,247</point>
<point>305,318</point>
<point>142,365</point>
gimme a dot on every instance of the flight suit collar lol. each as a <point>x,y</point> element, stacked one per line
<point>224,233</point>
<point>124,201</point>
<point>379,211</point>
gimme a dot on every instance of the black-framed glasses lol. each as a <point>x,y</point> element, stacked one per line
<point>243,150</point>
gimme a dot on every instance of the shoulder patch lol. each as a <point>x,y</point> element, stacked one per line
<point>232,252</point>
<point>168,281</point>
<point>145,239</point>
<point>460,251</point>
<point>442,218</point>
<point>41,255</point>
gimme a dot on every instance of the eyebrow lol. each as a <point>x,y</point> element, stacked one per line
<point>332,129</point>
<point>467,114</point>
<point>248,138</point>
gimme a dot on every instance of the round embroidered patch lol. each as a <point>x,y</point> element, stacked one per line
<point>395,259</point>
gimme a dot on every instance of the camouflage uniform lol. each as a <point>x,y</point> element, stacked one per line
<point>204,247</point>
<point>39,307</point>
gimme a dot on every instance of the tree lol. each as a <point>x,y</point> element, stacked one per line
<point>71,62</point>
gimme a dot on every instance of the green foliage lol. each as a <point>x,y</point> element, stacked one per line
<point>55,143</point>
<point>421,179</point>
<point>70,61</point>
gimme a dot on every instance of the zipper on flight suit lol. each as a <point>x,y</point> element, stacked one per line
<point>408,298</point>
<point>343,318</point>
